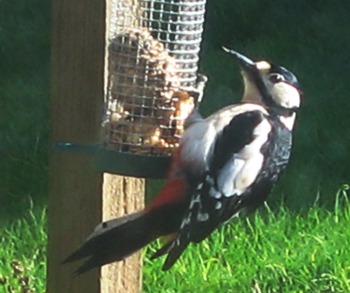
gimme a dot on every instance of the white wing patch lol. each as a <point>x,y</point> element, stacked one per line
<point>195,145</point>
<point>241,171</point>
<point>229,172</point>
<point>198,140</point>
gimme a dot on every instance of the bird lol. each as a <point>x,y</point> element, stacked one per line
<point>226,163</point>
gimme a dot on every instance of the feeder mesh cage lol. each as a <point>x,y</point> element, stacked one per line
<point>152,73</point>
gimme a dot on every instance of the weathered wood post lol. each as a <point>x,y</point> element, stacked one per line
<point>81,197</point>
<point>77,85</point>
<point>137,60</point>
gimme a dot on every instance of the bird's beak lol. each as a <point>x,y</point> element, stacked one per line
<point>246,64</point>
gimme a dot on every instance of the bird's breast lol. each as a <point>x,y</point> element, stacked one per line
<point>276,151</point>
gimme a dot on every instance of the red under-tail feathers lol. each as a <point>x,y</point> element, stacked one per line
<point>116,239</point>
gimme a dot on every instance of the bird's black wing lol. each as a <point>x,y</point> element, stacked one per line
<point>210,205</point>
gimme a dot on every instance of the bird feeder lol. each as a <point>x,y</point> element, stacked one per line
<point>152,84</point>
<point>147,75</point>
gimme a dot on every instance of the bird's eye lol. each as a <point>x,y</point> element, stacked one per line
<point>275,77</point>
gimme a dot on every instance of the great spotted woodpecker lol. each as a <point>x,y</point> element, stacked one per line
<point>225,163</point>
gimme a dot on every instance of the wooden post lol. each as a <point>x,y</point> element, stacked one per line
<point>125,276</point>
<point>79,196</point>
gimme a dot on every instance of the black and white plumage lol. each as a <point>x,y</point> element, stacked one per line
<point>242,151</point>
<point>225,163</point>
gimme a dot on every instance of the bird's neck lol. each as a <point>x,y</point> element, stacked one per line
<point>287,121</point>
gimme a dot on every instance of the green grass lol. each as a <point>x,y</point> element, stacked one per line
<point>281,251</point>
<point>286,250</point>
<point>23,254</point>
<point>270,251</point>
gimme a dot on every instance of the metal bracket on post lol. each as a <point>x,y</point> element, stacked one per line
<point>126,164</point>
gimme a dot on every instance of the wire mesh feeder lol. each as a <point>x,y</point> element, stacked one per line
<point>152,74</point>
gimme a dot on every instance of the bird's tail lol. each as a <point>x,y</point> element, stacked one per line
<point>115,239</point>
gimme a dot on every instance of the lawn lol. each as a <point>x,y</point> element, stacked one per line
<point>296,245</point>
<point>271,251</point>
<point>23,253</point>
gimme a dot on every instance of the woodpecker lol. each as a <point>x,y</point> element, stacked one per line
<point>226,163</point>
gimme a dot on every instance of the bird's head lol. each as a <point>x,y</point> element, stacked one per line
<point>272,85</point>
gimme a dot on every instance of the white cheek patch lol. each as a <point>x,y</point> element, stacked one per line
<point>285,95</point>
